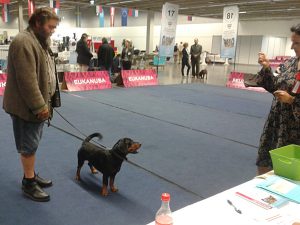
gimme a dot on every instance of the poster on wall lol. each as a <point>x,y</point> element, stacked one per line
<point>168,29</point>
<point>230,30</point>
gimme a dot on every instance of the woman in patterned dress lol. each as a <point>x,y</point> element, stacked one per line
<point>283,124</point>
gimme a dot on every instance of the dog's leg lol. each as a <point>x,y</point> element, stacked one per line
<point>104,191</point>
<point>78,173</point>
<point>80,164</point>
<point>113,188</point>
<point>93,169</point>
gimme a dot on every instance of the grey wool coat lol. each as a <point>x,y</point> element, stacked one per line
<point>28,90</point>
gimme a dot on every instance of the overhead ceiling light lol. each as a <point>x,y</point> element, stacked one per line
<point>242,12</point>
<point>113,3</point>
<point>92,2</point>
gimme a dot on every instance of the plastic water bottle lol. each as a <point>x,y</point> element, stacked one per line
<point>164,214</point>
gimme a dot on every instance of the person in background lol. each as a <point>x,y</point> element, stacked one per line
<point>283,123</point>
<point>116,66</point>
<point>175,53</point>
<point>84,54</point>
<point>180,48</point>
<point>27,97</point>
<point>185,60</point>
<point>195,52</point>
<point>106,55</point>
<point>127,55</point>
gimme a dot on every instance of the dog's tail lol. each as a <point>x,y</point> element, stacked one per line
<point>92,136</point>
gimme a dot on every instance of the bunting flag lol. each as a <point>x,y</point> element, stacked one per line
<point>98,9</point>
<point>100,15</point>
<point>129,12</point>
<point>112,16</point>
<point>124,17</point>
<point>135,13</point>
<point>4,1</point>
<point>31,7</point>
<point>189,18</point>
<point>5,13</point>
<point>55,4</point>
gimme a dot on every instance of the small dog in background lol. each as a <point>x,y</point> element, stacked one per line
<point>202,74</point>
<point>108,162</point>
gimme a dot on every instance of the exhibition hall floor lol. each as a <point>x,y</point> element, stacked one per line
<point>217,73</point>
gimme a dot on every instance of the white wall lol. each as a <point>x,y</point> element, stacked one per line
<point>274,46</point>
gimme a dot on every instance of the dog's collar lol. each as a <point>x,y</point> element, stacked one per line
<point>118,156</point>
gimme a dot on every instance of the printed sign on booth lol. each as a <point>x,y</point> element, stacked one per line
<point>135,78</point>
<point>236,80</point>
<point>83,81</point>
<point>2,83</point>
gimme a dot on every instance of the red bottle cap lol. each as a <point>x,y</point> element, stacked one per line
<point>165,197</point>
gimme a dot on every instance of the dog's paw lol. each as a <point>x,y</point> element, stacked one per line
<point>114,189</point>
<point>104,193</point>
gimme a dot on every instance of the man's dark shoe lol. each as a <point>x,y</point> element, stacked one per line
<point>33,191</point>
<point>43,182</point>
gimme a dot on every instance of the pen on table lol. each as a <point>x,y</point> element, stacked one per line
<point>235,208</point>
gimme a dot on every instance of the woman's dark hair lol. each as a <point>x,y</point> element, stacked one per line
<point>83,36</point>
<point>296,29</point>
<point>42,15</point>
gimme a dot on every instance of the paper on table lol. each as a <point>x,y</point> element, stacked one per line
<point>262,198</point>
<point>281,186</point>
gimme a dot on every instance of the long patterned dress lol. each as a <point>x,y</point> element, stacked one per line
<point>283,124</point>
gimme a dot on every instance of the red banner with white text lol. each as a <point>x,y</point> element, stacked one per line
<point>236,80</point>
<point>135,78</point>
<point>3,77</point>
<point>83,81</point>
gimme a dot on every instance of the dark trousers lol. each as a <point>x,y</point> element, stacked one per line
<point>195,63</point>
<point>185,63</point>
<point>126,65</point>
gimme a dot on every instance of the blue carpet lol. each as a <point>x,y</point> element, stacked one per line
<point>196,140</point>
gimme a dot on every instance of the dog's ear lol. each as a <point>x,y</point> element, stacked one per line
<point>124,143</point>
<point>127,142</point>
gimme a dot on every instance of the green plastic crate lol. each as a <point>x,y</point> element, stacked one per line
<point>286,161</point>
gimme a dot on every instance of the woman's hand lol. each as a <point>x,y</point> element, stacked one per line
<point>283,96</point>
<point>263,60</point>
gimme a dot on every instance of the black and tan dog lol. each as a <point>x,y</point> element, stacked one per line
<point>202,74</point>
<point>108,162</point>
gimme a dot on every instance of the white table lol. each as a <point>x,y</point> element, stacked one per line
<point>216,210</point>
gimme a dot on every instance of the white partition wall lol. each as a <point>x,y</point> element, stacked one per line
<point>274,46</point>
<point>216,44</point>
<point>256,42</point>
<point>247,48</point>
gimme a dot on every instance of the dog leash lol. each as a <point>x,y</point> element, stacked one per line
<point>73,126</point>
<point>127,160</point>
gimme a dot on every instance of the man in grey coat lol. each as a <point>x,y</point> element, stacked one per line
<point>195,52</point>
<point>27,97</point>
